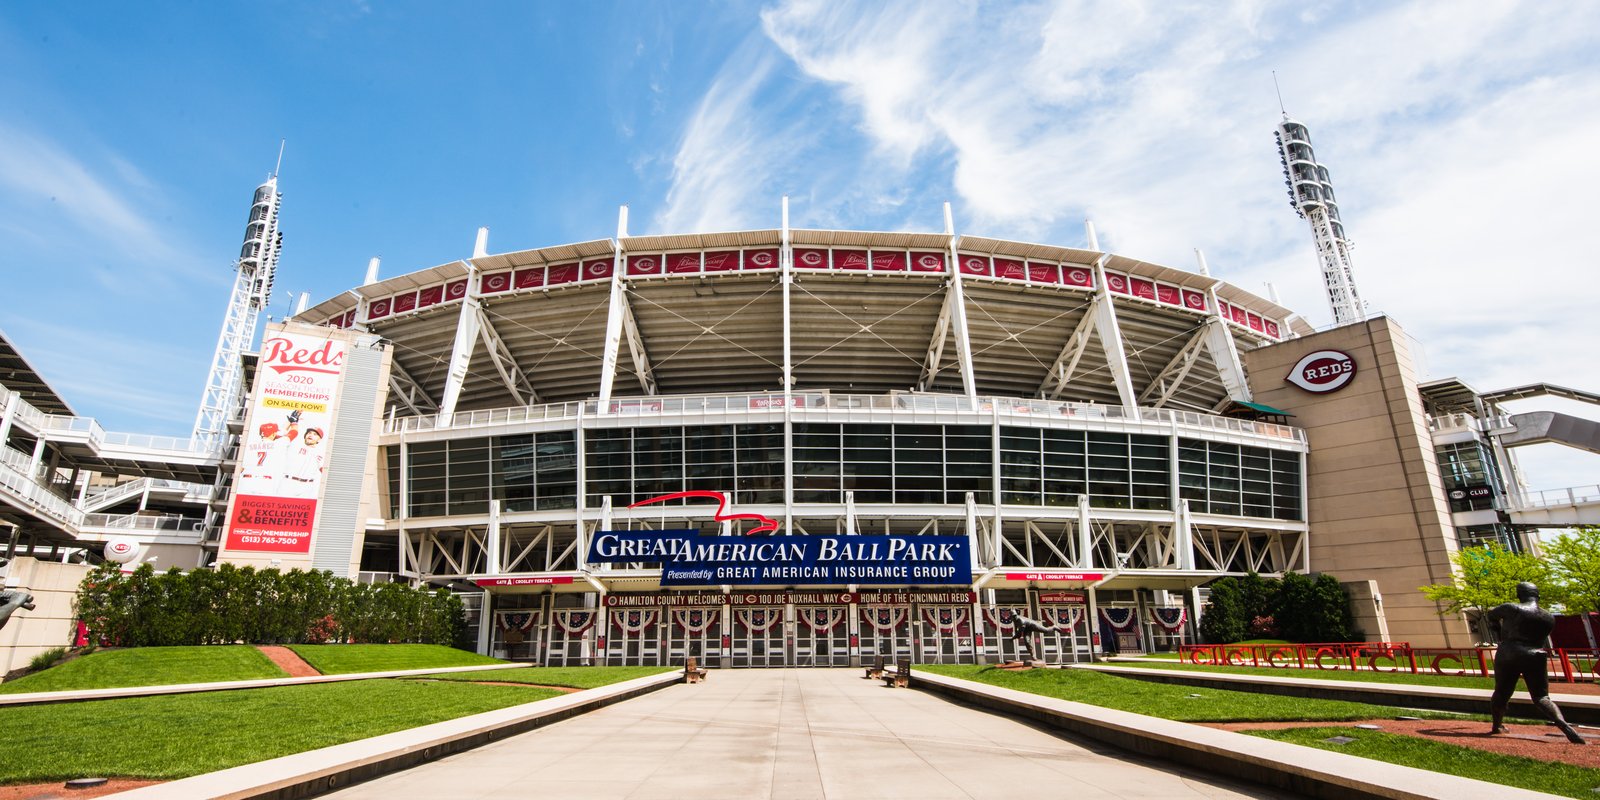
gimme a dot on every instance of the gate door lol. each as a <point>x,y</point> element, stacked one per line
<point>822,636</point>
<point>885,631</point>
<point>1068,640</point>
<point>572,632</point>
<point>947,635</point>
<point>633,637</point>
<point>758,637</point>
<point>518,633</point>
<point>695,632</point>
<point>998,645</point>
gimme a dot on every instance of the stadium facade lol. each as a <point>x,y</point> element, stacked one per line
<point>1066,433</point>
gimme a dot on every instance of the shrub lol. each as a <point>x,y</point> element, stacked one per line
<point>47,659</point>
<point>1263,628</point>
<point>232,604</point>
<point>1223,621</point>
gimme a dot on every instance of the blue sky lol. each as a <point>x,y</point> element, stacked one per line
<point>1460,139</point>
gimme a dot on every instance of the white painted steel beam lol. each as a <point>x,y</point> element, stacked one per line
<point>1171,377</point>
<point>1110,335</point>
<point>1066,363</point>
<point>404,390</point>
<point>969,383</point>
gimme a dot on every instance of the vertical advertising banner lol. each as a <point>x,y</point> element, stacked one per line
<point>283,455</point>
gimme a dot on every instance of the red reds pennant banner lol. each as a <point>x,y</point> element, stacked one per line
<point>378,309</point>
<point>761,259</point>
<point>1143,288</point>
<point>1239,315</point>
<point>455,290</point>
<point>974,265</point>
<point>492,284</point>
<point>723,261</point>
<point>644,265</point>
<point>1073,275</point>
<point>927,262</point>
<point>811,259</point>
<point>405,302</point>
<point>1255,322</point>
<point>1009,269</point>
<point>563,273</point>
<point>530,277</point>
<point>683,263</point>
<point>1194,300</point>
<point>889,260</point>
<point>1043,273</point>
<point>1169,294</point>
<point>598,269</point>
<point>430,296</point>
<point>1272,328</point>
<point>850,259</point>
<point>1117,283</point>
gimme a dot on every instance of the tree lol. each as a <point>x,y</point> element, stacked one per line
<point>1575,563</point>
<point>1488,576</point>
<point>1224,621</point>
<point>1313,610</point>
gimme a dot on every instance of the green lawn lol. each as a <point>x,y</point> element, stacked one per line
<point>174,736</point>
<point>575,677</point>
<point>1414,679</point>
<point>150,666</point>
<point>343,659</point>
<point>1168,701</point>
<point>1525,773</point>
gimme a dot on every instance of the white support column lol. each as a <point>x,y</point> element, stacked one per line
<point>485,623</point>
<point>1219,342</point>
<point>492,546</point>
<point>1110,334</point>
<point>13,402</point>
<point>37,459</point>
<point>973,540</point>
<point>1060,373</point>
<point>996,483</point>
<point>614,317</point>
<point>849,513</point>
<point>1085,535</point>
<point>785,278</point>
<point>1183,537</point>
<point>468,321</point>
<point>969,383</point>
<point>1171,377</point>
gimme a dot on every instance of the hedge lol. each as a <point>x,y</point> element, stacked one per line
<point>229,604</point>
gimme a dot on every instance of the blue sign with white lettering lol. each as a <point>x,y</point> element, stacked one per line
<point>688,558</point>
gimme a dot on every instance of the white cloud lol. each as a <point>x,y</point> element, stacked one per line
<point>1459,140</point>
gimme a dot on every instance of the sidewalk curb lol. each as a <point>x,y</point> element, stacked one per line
<point>314,772</point>
<point>1578,709</point>
<point>1305,771</point>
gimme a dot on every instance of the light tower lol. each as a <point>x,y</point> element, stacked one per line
<point>252,289</point>
<point>1311,194</point>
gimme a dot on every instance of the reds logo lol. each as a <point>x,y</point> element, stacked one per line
<point>497,282</point>
<point>765,259</point>
<point>929,262</point>
<point>1194,300</point>
<point>1078,276</point>
<point>811,259</point>
<point>1117,283</point>
<point>768,524</point>
<point>1322,371</point>
<point>281,355</point>
<point>456,290</point>
<point>645,263</point>
<point>379,308</point>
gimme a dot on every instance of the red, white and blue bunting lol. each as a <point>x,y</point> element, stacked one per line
<point>758,620</point>
<point>1002,618</point>
<point>1062,618</point>
<point>516,620</point>
<point>695,620</point>
<point>1169,617</point>
<point>634,622</point>
<point>885,619</point>
<point>1119,618</point>
<point>821,619</point>
<point>574,622</point>
<point>946,618</point>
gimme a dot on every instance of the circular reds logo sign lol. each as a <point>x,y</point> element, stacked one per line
<point>1323,371</point>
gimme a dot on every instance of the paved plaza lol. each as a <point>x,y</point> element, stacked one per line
<point>794,733</point>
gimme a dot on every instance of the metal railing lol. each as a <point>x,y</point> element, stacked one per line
<point>41,498</point>
<point>1549,498</point>
<point>804,402</point>
<point>138,486</point>
<point>97,436</point>
<point>143,522</point>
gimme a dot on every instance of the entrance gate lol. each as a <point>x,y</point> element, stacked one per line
<point>695,632</point>
<point>572,633</point>
<point>633,636</point>
<point>1068,640</point>
<point>946,634</point>
<point>758,637</point>
<point>822,636</point>
<point>997,627</point>
<point>885,631</point>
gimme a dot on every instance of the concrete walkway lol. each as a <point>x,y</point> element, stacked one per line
<point>822,733</point>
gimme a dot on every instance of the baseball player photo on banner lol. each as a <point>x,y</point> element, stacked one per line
<point>283,455</point>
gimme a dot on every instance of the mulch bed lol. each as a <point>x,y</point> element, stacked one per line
<point>56,789</point>
<point>1529,741</point>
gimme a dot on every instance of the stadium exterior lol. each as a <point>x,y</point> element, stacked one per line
<point>1081,437</point>
<point>1061,409</point>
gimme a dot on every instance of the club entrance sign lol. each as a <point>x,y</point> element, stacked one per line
<point>688,558</point>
